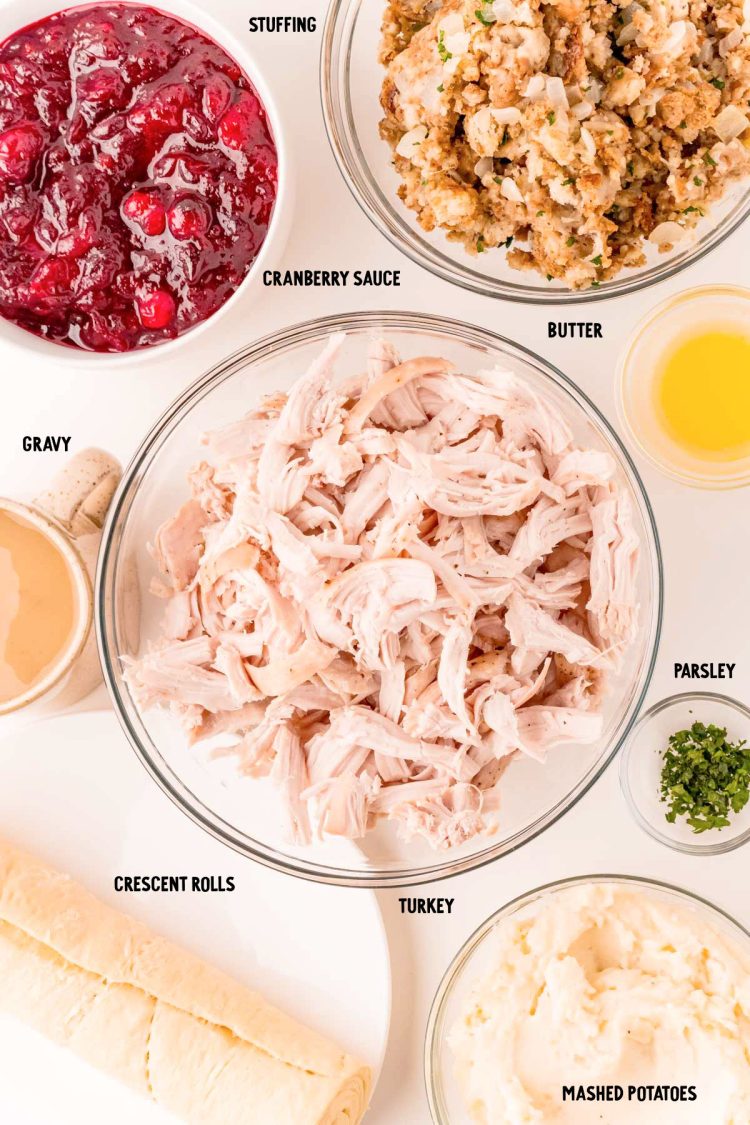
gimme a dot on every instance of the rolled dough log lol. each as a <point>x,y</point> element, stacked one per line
<point>151,1014</point>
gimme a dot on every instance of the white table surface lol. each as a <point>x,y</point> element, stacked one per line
<point>705,536</point>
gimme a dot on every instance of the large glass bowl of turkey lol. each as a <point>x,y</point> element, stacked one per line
<point>248,813</point>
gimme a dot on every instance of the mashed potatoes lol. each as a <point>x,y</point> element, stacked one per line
<point>604,984</point>
<point>570,131</point>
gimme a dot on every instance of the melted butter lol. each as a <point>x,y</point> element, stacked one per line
<point>702,391</point>
<point>38,605</point>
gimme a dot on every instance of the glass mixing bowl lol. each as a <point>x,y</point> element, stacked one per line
<point>474,960</point>
<point>245,813</point>
<point>351,77</point>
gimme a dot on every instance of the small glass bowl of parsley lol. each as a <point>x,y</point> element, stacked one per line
<point>685,772</point>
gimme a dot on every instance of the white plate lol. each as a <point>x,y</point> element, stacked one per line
<point>73,792</point>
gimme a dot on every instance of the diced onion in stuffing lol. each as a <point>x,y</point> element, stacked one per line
<point>730,123</point>
<point>510,189</point>
<point>411,141</point>
<point>667,233</point>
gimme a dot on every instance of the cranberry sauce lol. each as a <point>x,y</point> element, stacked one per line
<point>137,177</point>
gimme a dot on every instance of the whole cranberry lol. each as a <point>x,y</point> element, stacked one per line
<point>156,308</point>
<point>94,41</point>
<point>217,96</point>
<point>53,278</point>
<point>162,110</point>
<point>103,87</point>
<point>188,218</point>
<point>146,209</point>
<point>147,62</point>
<point>239,124</point>
<point>20,148</point>
<point>83,236</point>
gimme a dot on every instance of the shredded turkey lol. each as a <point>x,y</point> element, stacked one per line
<point>384,590</point>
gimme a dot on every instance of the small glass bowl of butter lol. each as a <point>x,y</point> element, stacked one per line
<point>685,387</point>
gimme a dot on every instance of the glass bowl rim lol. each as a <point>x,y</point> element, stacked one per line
<point>624,377</point>
<point>432,1069</point>
<point>719,847</point>
<point>261,349</point>
<point>355,172</point>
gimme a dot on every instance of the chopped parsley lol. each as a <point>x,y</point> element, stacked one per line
<point>480,245</point>
<point>539,214</point>
<point>697,181</point>
<point>552,117</point>
<point>442,49</point>
<point>509,242</point>
<point>595,284</point>
<point>506,135</point>
<point>692,208</point>
<point>570,241</point>
<point>708,159</point>
<point>486,15</point>
<point>630,167</point>
<point>620,72</point>
<point>597,261</point>
<point>549,277</point>
<point>718,83</point>
<point>440,88</point>
<point>704,777</point>
<point>682,125</point>
<point>568,182</point>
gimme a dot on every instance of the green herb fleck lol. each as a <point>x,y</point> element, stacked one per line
<point>704,777</point>
<point>486,15</point>
<point>442,49</point>
<point>571,241</point>
<point>610,132</point>
<point>549,277</point>
<point>595,284</point>
<point>440,88</point>
<point>682,125</point>
<point>708,159</point>
<point>539,214</point>
<point>630,167</point>
<point>620,72</point>
<point>697,181</point>
<point>505,137</point>
<point>597,261</point>
<point>718,83</point>
<point>566,183</point>
<point>498,179</point>
<point>692,208</point>
<point>552,117</point>
<point>480,245</point>
<point>509,242</point>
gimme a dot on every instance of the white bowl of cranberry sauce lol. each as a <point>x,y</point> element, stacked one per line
<point>142,176</point>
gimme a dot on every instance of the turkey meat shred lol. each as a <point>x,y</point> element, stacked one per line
<point>385,589</point>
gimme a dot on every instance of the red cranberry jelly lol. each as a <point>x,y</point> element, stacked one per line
<point>137,177</point>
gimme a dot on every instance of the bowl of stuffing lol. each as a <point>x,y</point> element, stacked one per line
<point>539,151</point>
<point>382,578</point>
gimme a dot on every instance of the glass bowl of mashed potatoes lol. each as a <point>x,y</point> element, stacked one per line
<point>539,153</point>
<point>632,988</point>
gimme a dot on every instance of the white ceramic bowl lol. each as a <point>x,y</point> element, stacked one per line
<point>17,14</point>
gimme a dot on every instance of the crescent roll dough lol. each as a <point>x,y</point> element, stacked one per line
<point>147,1012</point>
